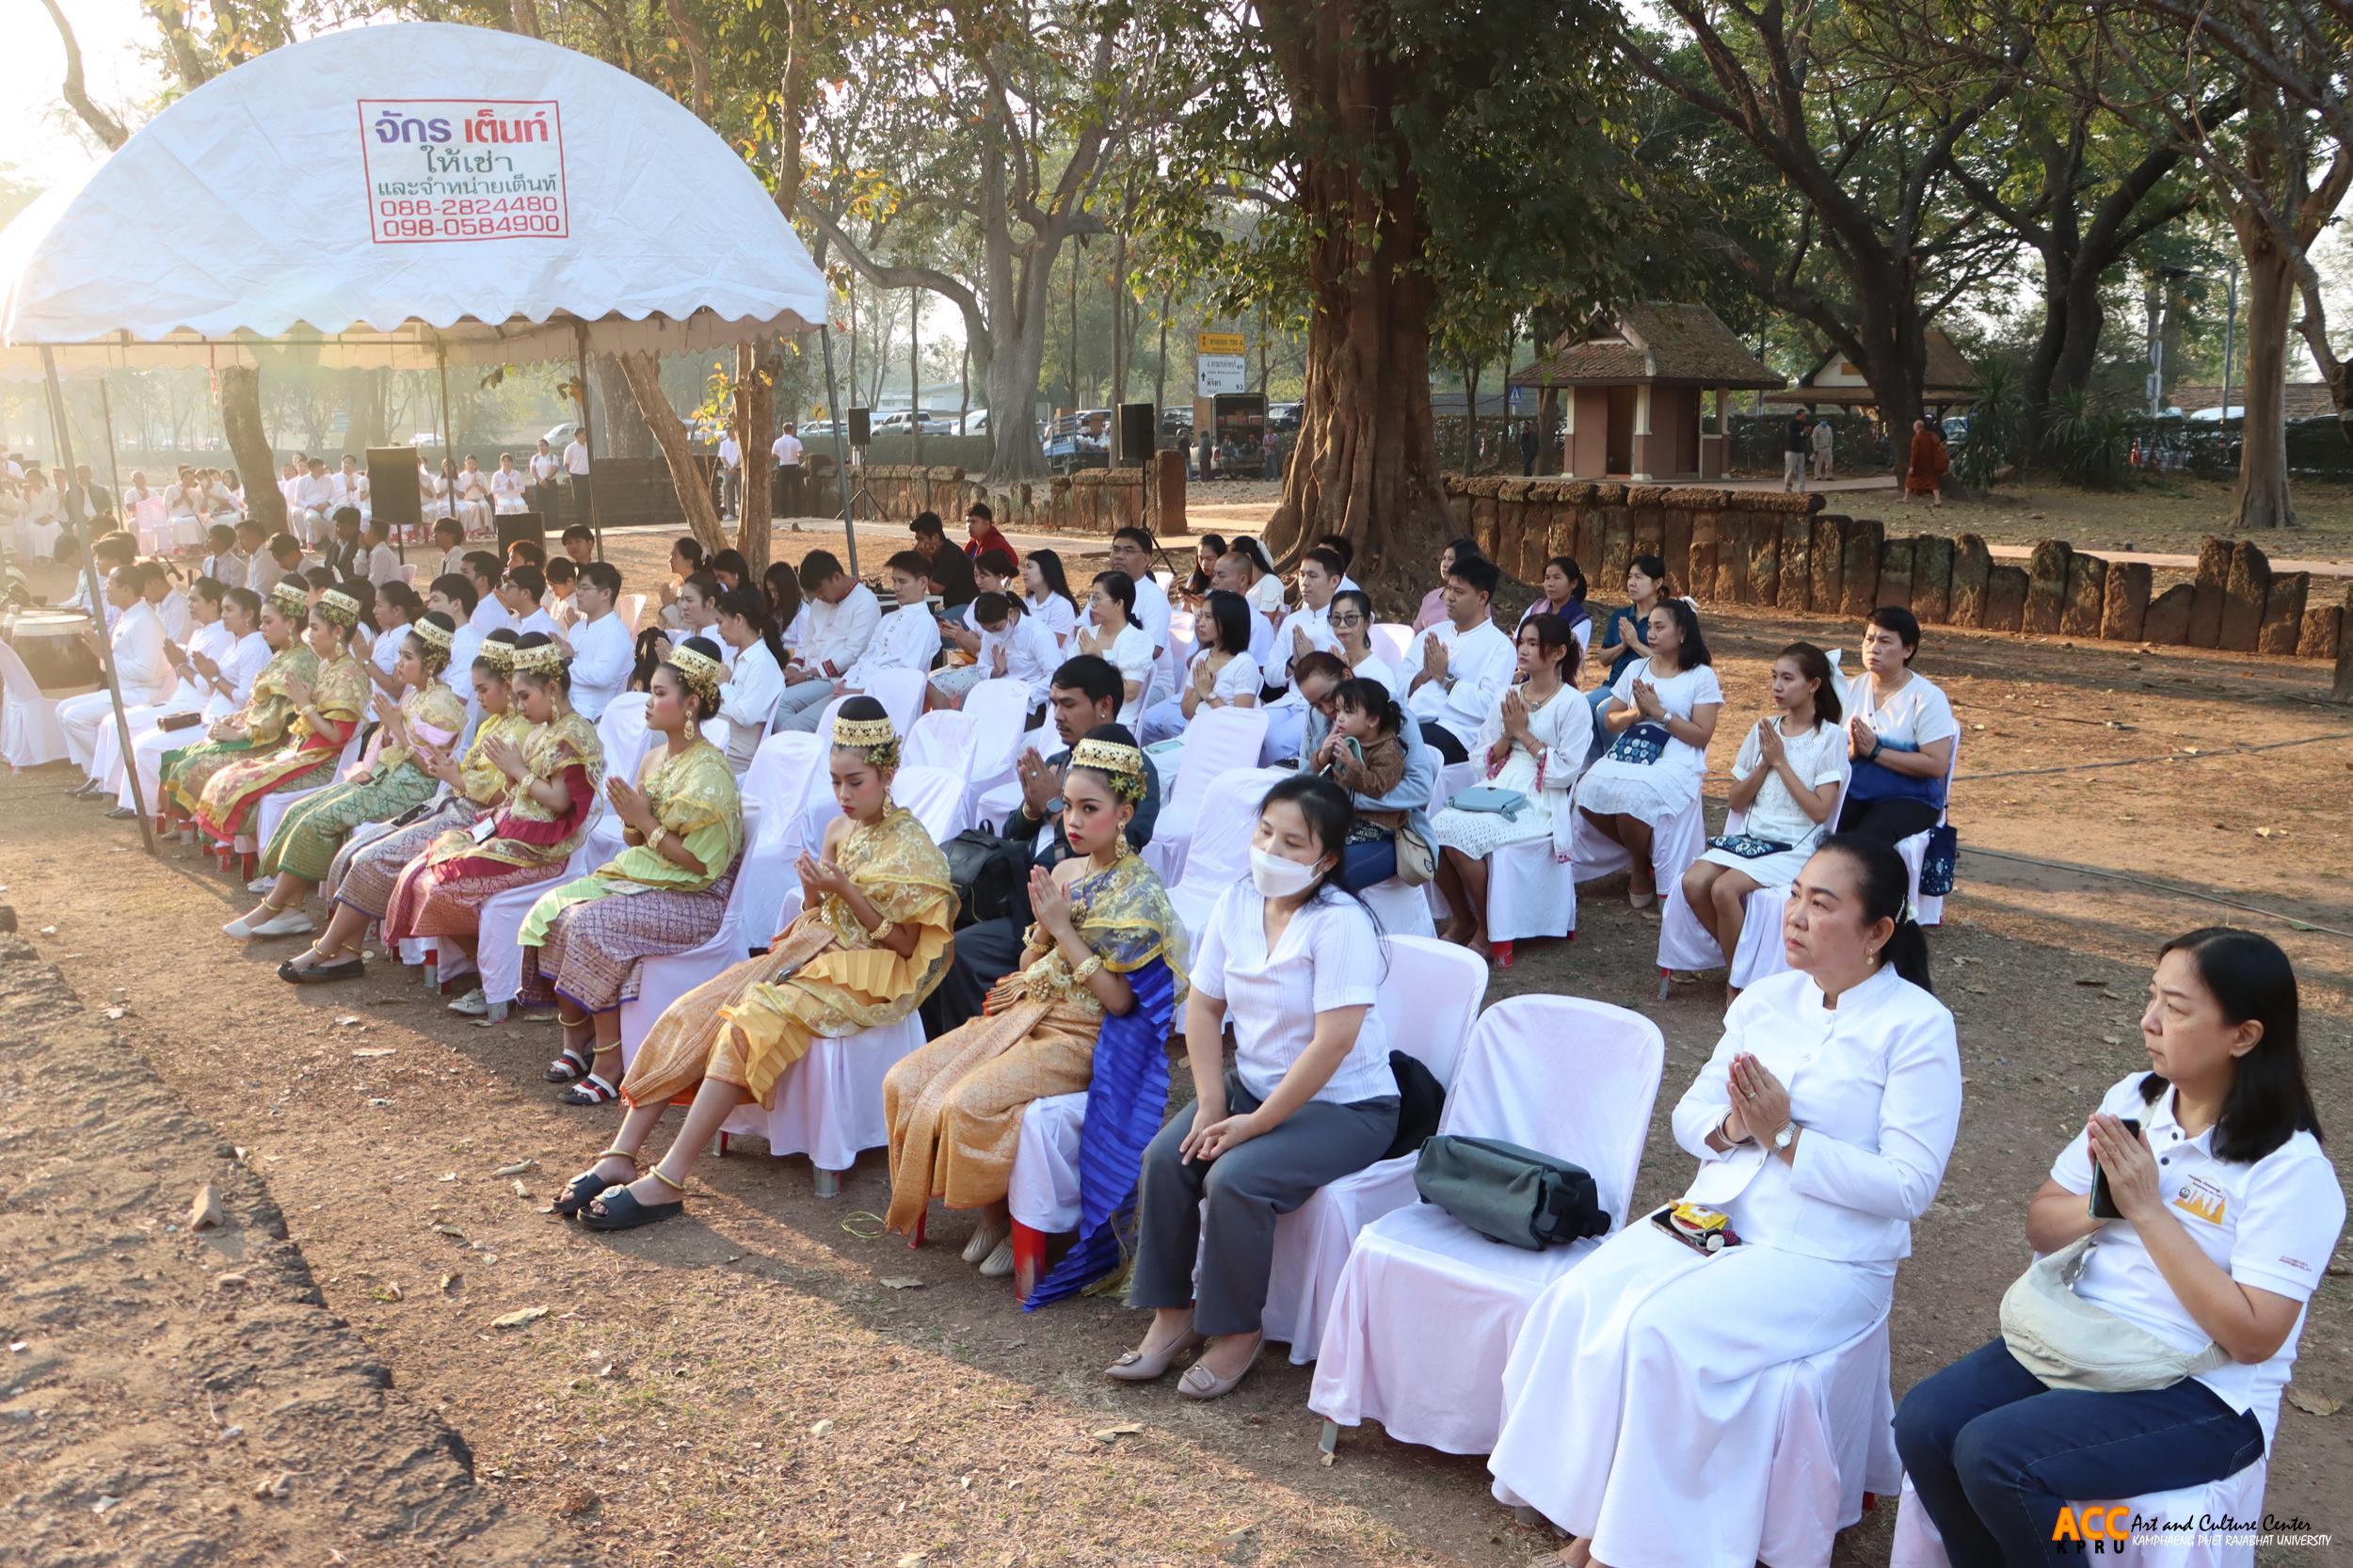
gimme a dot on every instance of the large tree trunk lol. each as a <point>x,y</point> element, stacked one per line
<point>248,443</point>
<point>2262,501</point>
<point>623,432</point>
<point>1366,465</point>
<point>1014,454</point>
<point>642,373</point>
<point>756,370</point>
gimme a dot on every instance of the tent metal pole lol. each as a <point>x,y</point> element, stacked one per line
<point>97,608</point>
<point>106,417</point>
<point>441,420</point>
<point>580,351</point>
<point>841,452</point>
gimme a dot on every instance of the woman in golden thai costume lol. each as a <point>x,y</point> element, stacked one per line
<point>261,725</point>
<point>870,943</point>
<point>1089,1007</point>
<point>386,783</point>
<point>667,891</point>
<point>360,883</point>
<point>551,783</point>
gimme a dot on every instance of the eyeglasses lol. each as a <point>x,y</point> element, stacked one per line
<point>1348,620</point>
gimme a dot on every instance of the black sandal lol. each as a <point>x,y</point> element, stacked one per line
<point>622,1211</point>
<point>569,1066</point>
<point>578,1195</point>
<point>592,1090</point>
<point>322,973</point>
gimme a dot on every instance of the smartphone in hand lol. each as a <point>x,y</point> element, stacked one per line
<point>2103,1202</point>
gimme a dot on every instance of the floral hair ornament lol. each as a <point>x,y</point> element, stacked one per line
<point>1123,764</point>
<point>702,674</point>
<point>874,737</point>
<point>546,659</point>
<point>435,638</point>
<point>339,608</point>
<point>290,599</point>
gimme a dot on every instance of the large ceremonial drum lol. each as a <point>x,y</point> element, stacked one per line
<point>51,644</point>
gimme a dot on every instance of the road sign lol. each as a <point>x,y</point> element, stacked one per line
<point>1219,342</point>
<point>1220,373</point>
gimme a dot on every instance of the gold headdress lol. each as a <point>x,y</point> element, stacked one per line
<point>292,599</point>
<point>1125,764</point>
<point>434,638</point>
<point>339,608</point>
<point>874,737</point>
<point>544,658</point>
<point>702,674</point>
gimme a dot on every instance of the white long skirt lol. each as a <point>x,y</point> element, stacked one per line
<point>1652,792</point>
<point>1644,1393</point>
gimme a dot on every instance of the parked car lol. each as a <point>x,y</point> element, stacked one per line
<point>976,422</point>
<point>1284,416</point>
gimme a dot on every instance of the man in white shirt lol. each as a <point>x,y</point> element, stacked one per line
<point>208,642</point>
<point>1458,669</point>
<point>170,606</point>
<point>453,595</point>
<point>1131,553</point>
<point>222,561</point>
<point>351,485</point>
<point>576,474</point>
<point>544,467</point>
<point>449,538</point>
<point>377,559</point>
<point>730,474</point>
<point>840,616</point>
<point>142,673</point>
<point>483,570</point>
<point>786,449</point>
<point>1307,629</point>
<point>603,650</point>
<point>519,593</point>
<point>261,573</point>
<point>563,574</point>
<point>310,502</point>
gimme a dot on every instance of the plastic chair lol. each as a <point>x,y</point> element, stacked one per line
<point>1220,855</point>
<point>830,1104</point>
<point>1431,996</point>
<point>1421,1323</point>
<point>499,924</point>
<point>778,779</point>
<point>942,738</point>
<point>1217,743</point>
<point>1402,911</point>
<point>30,735</point>
<point>1390,639</point>
<point>1918,1545</point>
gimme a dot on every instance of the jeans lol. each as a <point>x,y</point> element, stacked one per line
<point>1363,864</point>
<point>1995,1454</point>
<point>1447,745</point>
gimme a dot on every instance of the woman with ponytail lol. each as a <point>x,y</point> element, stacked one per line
<point>754,683</point>
<point>1821,1126</point>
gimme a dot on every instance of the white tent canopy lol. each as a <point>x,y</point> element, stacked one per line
<point>352,199</point>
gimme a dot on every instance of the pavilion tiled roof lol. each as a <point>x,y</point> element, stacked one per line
<point>1665,344</point>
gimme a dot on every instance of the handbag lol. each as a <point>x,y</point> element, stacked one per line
<point>1747,846</point>
<point>1508,804</point>
<point>1420,1099</point>
<point>1939,861</point>
<point>1508,1194</point>
<point>1416,862</point>
<point>2072,1344</point>
<point>1640,745</point>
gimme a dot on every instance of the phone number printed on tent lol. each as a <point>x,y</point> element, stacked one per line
<point>463,169</point>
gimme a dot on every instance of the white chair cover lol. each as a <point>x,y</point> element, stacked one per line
<point>153,519</point>
<point>630,607</point>
<point>999,713</point>
<point>1431,996</point>
<point>1043,1192</point>
<point>1402,911</point>
<point>1674,846</point>
<point>900,692</point>
<point>1390,639</point>
<point>1220,855</point>
<point>30,735</point>
<point>830,1104</point>
<point>1217,743</point>
<point>499,925</point>
<point>942,738</point>
<point>2241,1496</point>
<point>998,798</point>
<point>622,734</point>
<point>1422,1320</point>
<point>1929,911</point>
<point>1685,945</point>
<point>778,779</point>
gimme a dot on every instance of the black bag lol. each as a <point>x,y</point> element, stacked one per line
<point>1507,1193</point>
<point>1419,1098</point>
<point>989,873</point>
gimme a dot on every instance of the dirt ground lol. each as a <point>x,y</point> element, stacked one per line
<point>771,1380</point>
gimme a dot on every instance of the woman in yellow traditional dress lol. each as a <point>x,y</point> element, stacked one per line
<point>388,781</point>
<point>667,891</point>
<point>1089,1008</point>
<point>261,725</point>
<point>870,943</point>
<point>327,711</point>
<point>360,883</point>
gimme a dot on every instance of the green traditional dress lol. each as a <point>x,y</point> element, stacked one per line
<point>260,726</point>
<point>340,695</point>
<point>384,784</point>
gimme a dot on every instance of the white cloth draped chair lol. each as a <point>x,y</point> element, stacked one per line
<point>30,735</point>
<point>2240,1496</point>
<point>1218,742</point>
<point>1685,946</point>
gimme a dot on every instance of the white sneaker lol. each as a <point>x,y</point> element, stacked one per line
<point>290,922</point>
<point>473,1004</point>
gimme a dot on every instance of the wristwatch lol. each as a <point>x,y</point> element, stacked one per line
<point>1786,1136</point>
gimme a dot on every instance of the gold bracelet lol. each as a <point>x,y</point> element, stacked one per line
<point>1087,970</point>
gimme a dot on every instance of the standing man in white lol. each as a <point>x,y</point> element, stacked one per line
<point>603,650</point>
<point>545,500</point>
<point>786,448</point>
<point>576,471</point>
<point>1456,669</point>
<point>730,474</point>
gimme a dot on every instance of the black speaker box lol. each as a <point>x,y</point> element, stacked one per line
<point>522,525</point>
<point>1137,422</point>
<point>861,427</point>
<point>392,486</point>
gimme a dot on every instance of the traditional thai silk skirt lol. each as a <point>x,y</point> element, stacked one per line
<point>592,950</point>
<point>315,827</point>
<point>363,874</point>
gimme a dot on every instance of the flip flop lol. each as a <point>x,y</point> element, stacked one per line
<point>569,1066</point>
<point>591,1090</point>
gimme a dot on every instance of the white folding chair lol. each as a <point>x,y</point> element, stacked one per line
<point>1926,909</point>
<point>1402,911</point>
<point>1217,743</point>
<point>1421,1323</point>
<point>1918,1545</point>
<point>623,735</point>
<point>30,735</point>
<point>1220,855</point>
<point>1431,996</point>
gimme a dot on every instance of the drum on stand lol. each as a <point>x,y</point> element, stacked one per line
<point>51,644</point>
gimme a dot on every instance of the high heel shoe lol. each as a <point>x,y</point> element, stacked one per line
<point>1199,1383</point>
<point>1137,1367</point>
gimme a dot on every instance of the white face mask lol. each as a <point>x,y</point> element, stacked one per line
<point>1278,877</point>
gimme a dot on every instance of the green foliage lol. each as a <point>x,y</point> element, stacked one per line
<point>2084,438</point>
<point>1998,426</point>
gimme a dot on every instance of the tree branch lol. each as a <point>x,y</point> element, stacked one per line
<point>103,125</point>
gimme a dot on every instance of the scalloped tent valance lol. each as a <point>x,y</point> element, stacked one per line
<point>355,199</point>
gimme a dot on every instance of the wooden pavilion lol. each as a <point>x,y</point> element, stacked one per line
<point>1946,381</point>
<point>1633,379</point>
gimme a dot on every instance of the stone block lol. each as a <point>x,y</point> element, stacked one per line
<point>1561,531</point>
<point>2166,625</point>
<point>1650,530</point>
<point>2086,596</point>
<point>1677,548</point>
<point>2245,593</point>
<point>2283,614</point>
<point>1702,583</point>
<point>1860,546</point>
<point>1732,564</point>
<point>1797,562</point>
<point>2321,631</point>
<point>1972,561</point>
<point>2124,602</point>
<point>2046,585</point>
<point>2206,594</point>
<point>1932,578</point>
<point>2005,599</point>
<point>1896,573</point>
<point>1458,514</point>
<point>1829,553</point>
<point>1764,559</point>
<point>1589,542</point>
<point>1484,524</point>
<point>1617,539</point>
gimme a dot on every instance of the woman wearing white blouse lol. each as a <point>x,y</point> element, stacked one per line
<point>1352,627</point>
<point>1787,779</point>
<point>1046,591</point>
<point>1222,674</point>
<point>1115,634</point>
<point>2224,1214</point>
<point>1643,1400</point>
<point>1662,714</point>
<point>748,703</point>
<point>1293,962</point>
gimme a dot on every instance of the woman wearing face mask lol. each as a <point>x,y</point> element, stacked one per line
<point>1292,960</point>
<point>867,946</point>
<point>1641,1404</point>
<point>1088,1008</point>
